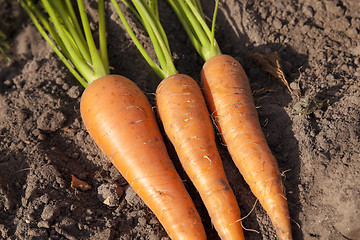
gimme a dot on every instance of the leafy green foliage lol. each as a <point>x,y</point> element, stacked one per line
<point>70,38</point>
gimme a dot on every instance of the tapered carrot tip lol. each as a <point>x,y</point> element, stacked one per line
<point>279,215</point>
<point>120,119</point>
<point>228,95</point>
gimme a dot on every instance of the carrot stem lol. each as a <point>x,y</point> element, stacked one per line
<point>70,26</point>
<point>77,59</point>
<point>157,36</point>
<point>153,4</point>
<point>28,7</point>
<point>187,26</point>
<point>212,37</point>
<point>191,17</point>
<point>148,16</point>
<point>136,41</point>
<point>102,36</point>
<point>72,15</point>
<point>99,69</point>
<point>76,51</point>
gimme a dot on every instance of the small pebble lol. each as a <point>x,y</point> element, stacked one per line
<point>21,145</point>
<point>305,29</point>
<point>89,212</point>
<point>332,7</point>
<point>37,233</point>
<point>110,194</point>
<point>65,86</point>
<point>83,175</point>
<point>351,32</point>
<point>7,82</point>
<point>75,155</point>
<point>106,234</point>
<point>308,11</point>
<point>44,198</point>
<point>43,224</point>
<point>131,197</point>
<point>142,221</point>
<point>294,86</point>
<point>50,212</point>
<point>59,81</point>
<point>33,65</point>
<point>36,132</point>
<point>42,137</point>
<point>72,207</point>
<point>279,5</point>
<point>277,23</point>
<point>74,92</point>
<point>67,222</point>
<point>330,77</point>
<point>290,8</point>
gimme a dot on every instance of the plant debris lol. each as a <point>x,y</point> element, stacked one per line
<point>309,105</point>
<point>4,47</point>
<point>270,63</point>
<point>79,184</point>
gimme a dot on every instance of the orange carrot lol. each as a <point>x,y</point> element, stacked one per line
<point>120,119</point>
<point>228,94</point>
<point>182,109</point>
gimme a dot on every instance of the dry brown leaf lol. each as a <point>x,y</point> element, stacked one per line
<point>270,63</point>
<point>79,184</point>
<point>70,130</point>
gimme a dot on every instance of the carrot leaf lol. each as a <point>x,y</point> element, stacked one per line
<point>148,15</point>
<point>4,47</point>
<point>190,15</point>
<point>73,44</point>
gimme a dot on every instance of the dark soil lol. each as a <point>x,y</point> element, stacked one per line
<point>43,141</point>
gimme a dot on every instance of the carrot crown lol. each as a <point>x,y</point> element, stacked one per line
<point>192,18</point>
<point>73,44</point>
<point>148,15</point>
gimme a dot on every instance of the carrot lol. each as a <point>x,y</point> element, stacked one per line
<point>228,95</point>
<point>119,118</point>
<point>186,121</point>
<point>183,112</point>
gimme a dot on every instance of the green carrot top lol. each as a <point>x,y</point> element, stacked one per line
<point>71,40</point>
<point>192,18</point>
<point>147,13</point>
